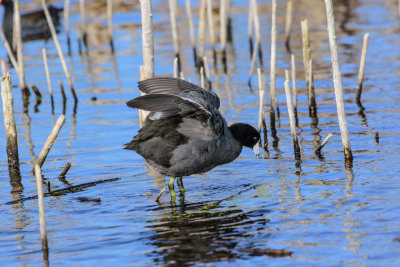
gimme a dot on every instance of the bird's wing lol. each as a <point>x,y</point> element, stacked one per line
<point>175,86</point>
<point>199,119</point>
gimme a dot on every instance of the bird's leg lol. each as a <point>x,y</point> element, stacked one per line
<point>171,186</point>
<point>180,184</point>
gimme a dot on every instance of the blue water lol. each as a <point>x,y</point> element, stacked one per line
<point>325,214</point>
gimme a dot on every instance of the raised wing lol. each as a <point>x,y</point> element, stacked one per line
<point>175,86</point>
<point>197,121</point>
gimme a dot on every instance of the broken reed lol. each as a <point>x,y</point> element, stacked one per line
<point>66,25</point>
<point>306,52</point>
<point>174,30</point>
<point>288,23</point>
<point>82,35</point>
<point>60,83</point>
<point>292,122</point>
<point>318,150</point>
<point>254,19</point>
<point>147,69</point>
<point>42,214</point>
<point>210,20</point>
<point>223,31</point>
<point>110,23</point>
<point>191,30</point>
<point>18,37</point>
<point>274,101</point>
<point>338,82</point>
<point>362,67</point>
<point>261,113</point>
<point>294,87</point>
<point>50,140</point>
<point>11,131</point>
<point>312,104</point>
<point>201,32</point>
<point>46,69</point>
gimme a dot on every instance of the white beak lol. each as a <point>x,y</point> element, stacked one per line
<point>256,149</point>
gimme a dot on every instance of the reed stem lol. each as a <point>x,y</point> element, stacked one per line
<point>110,23</point>
<point>174,30</point>
<point>296,146</point>
<point>288,21</point>
<point>362,67</point>
<point>338,82</point>
<point>50,140</point>
<point>66,25</point>
<point>273,65</point>
<point>18,36</point>
<point>46,69</point>
<point>11,132</point>
<point>42,214</point>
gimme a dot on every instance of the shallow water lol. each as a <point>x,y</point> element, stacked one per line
<point>319,210</point>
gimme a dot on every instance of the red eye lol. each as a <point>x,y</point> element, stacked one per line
<point>255,138</point>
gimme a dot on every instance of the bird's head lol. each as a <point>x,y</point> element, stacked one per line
<point>246,134</point>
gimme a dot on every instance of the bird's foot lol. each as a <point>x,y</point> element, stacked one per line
<point>171,187</point>
<point>180,184</point>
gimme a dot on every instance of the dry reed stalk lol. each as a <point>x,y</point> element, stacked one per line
<point>256,50</point>
<point>312,105</point>
<point>337,82</point>
<point>306,50</point>
<point>82,11</point>
<point>318,150</point>
<point>207,74</point>
<point>274,102</point>
<point>147,39</point>
<point>201,31</point>
<point>174,30</point>
<point>362,67</point>
<point>181,75</point>
<point>60,83</point>
<point>65,170</point>
<point>66,24</point>
<point>60,53</point>
<point>261,91</point>
<point>46,68</point>
<point>9,51</point>
<point>191,30</point>
<point>42,214</point>
<point>110,23</point>
<point>3,67</point>
<point>18,36</point>
<point>176,71</point>
<point>223,25</point>
<point>10,128</point>
<point>288,22</point>
<point>210,20</point>
<point>250,28</point>
<point>159,195</point>
<point>147,69</point>
<point>142,113</point>
<point>50,140</point>
<point>202,78</point>
<point>296,146</point>
<point>294,88</point>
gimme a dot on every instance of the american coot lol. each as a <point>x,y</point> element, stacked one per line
<point>184,132</point>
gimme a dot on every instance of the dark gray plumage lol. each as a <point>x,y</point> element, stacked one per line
<point>185,133</point>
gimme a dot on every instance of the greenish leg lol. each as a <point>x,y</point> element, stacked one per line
<point>171,187</point>
<point>180,184</point>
